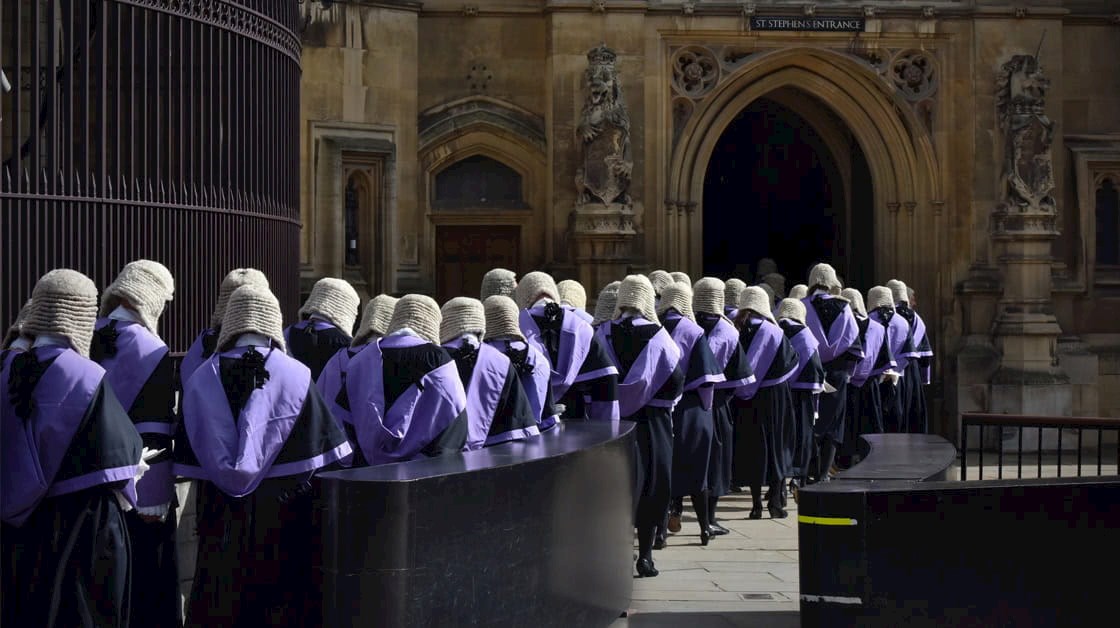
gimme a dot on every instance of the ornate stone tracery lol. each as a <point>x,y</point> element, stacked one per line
<point>697,70</point>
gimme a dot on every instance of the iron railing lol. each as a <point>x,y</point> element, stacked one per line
<point>156,129</point>
<point>1065,427</point>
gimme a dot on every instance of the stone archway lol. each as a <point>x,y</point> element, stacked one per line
<point>898,148</point>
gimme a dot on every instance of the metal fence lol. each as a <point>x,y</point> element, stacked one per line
<point>158,129</point>
<point>1054,442</point>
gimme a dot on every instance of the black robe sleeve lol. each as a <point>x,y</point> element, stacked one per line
<point>451,440</point>
<point>156,404</point>
<point>513,411</point>
<point>106,439</point>
<point>315,432</point>
<point>603,388</point>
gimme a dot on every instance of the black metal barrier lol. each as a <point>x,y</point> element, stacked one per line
<point>894,545</point>
<point>531,533</point>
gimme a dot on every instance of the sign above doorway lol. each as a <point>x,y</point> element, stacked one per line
<point>820,24</point>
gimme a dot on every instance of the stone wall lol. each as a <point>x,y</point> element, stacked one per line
<point>376,70</point>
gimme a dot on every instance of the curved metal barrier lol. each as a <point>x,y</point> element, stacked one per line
<point>530,533</point>
<point>891,543</point>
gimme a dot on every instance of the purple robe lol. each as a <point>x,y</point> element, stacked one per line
<point>130,365</point>
<point>333,379</point>
<point>236,453</point>
<point>805,343</point>
<point>841,334</point>
<point>485,397</point>
<point>200,351</point>
<point>654,367</point>
<point>401,432</point>
<point>686,334</point>
<point>581,314</point>
<point>921,348</point>
<point>724,341</point>
<point>37,448</point>
<point>535,379</point>
<point>575,345</point>
<point>874,346</point>
<point>898,336</point>
<point>763,348</point>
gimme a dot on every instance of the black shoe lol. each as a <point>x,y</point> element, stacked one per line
<point>659,543</point>
<point>736,489</point>
<point>646,569</point>
<point>756,513</point>
<point>717,529</point>
<point>705,536</point>
<point>777,513</point>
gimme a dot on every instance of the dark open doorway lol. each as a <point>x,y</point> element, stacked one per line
<point>774,189</point>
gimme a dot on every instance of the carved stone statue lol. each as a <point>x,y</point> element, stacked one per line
<point>1028,133</point>
<point>604,133</point>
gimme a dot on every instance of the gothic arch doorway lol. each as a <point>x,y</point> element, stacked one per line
<point>787,180</point>
<point>901,163</point>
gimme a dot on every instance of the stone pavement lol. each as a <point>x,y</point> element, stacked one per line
<point>746,578</point>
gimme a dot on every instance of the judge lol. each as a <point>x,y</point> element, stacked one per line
<point>800,291</point>
<point>584,379</point>
<point>497,408</point>
<point>651,384</point>
<point>69,458</point>
<point>574,299</point>
<point>604,305</point>
<point>765,266</point>
<point>807,383</point>
<point>723,339</point>
<point>693,425</point>
<point>921,355</point>
<point>203,346</point>
<point>829,317</point>
<point>531,366</point>
<point>331,382</point>
<point>326,322</point>
<point>865,412</point>
<point>777,284</point>
<point>764,439</point>
<point>404,392</point>
<point>732,290</point>
<point>138,366</point>
<point>254,432</point>
<point>498,281</point>
<point>681,277</point>
<point>659,279</point>
<point>893,393</point>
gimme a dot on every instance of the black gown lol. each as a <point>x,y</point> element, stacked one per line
<point>69,564</point>
<point>723,441</point>
<point>833,407</point>
<point>316,347</point>
<point>915,412</point>
<point>804,407</point>
<point>155,553</point>
<point>604,388</point>
<point>693,425</point>
<point>513,412</point>
<point>764,437</point>
<point>259,556</point>
<point>654,429</point>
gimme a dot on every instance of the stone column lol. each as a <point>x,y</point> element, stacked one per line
<point>1029,379</point>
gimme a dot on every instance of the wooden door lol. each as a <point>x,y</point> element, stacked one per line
<point>465,253</point>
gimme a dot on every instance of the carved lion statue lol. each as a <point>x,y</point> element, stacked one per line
<point>604,134</point>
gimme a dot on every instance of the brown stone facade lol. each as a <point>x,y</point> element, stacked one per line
<point>409,109</point>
